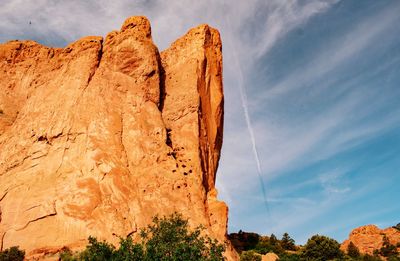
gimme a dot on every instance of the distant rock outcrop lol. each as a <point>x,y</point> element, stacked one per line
<point>98,137</point>
<point>269,257</point>
<point>369,238</point>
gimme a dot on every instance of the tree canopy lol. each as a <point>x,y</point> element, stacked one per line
<point>166,239</point>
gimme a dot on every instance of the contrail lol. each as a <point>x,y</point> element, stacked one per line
<point>243,98</point>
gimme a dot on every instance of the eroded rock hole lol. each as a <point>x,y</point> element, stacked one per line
<point>169,141</point>
<point>173,154</point>
<point>43,138</point>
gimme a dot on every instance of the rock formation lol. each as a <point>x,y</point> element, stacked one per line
<point>98,137</point>
<point>370,237</point>
<point>269,257</point>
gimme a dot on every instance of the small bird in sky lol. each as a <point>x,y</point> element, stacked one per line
<point>30,22</point>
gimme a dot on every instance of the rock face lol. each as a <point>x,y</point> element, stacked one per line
<point>370,237</point>
<point>98,137</point>
<point>269,257</point>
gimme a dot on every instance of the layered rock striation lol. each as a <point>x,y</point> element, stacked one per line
<point>369,238</point>
<point>98,137</point>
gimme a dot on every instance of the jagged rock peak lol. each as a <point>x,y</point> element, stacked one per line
<point>370,237</point>
<point>98,137</point>
<point>138,23</point>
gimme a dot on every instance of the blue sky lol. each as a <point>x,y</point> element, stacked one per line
<point>312,93</point>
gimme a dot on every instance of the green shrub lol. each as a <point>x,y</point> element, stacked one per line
<point>367,257</point>
<point>128,250</point>
<point>12,254</point>
<point>353,251</point>
<point>289,257</point>
<point>387,249</point>
<point>243,241</point>
<point>250,256</point>
<point>271,244</point>
<point>167,239</point>
<point>287,242</point>
<point>321,248</point>
<point>397,226</point>
<point>97,251</point>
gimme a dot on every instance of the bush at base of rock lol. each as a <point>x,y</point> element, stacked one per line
<point>12,254</point>
<point>353,251</point>
<point>322,248</point>
<point>167,239</point>
<point>250,256</point>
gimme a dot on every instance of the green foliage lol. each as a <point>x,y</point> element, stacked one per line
<point>97,251</point>
<point>321,248</point>
<point>250,256</point>
<point>353,251</point>
<point>128,250</point>
<point>287,242</point>
<point>370,258</point>
<point>387,249</point>
<point>397,226</point>
<point>12,254</point>
<point>243,241</point>
<point>273,240</point>
<point>289,257</point>
<point>167,239</point>
<point>271,244</point>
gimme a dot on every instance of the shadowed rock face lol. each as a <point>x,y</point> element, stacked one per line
<point>369,238</point>
<point>98,137</point>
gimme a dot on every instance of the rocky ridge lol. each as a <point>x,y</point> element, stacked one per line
<point>369,238</point>
<point>98,137</point>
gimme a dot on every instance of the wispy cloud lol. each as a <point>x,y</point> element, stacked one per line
<point>359,37</point>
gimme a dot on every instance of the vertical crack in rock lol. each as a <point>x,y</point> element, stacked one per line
<point>162,83</point>
<point>97,65</point>
<point>121,134</point>
<point>2,241</point>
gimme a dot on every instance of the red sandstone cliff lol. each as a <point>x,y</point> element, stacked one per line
<point>370,237</point>
<point>98,137</point>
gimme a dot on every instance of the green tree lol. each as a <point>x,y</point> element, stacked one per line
<point>266,245</point>
<point>128,250</point>
<point>387,249</point>
<point>397,226</point>
<point>289,257</point>
<point>352,250</point>
<point>273,240</point>
<point>321,248</point>
<point>250,256</point>
<point>170,239</point>
<point>12,254</point>
<point>167,239</point>
<point>287,242</point>
<point>97,251</point>
<point>368,257</point>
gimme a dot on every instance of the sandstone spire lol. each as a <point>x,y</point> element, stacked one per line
<point>98,137</point>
